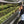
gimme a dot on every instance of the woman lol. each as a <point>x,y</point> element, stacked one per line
<point>22,15</point>
<point>20,9</point>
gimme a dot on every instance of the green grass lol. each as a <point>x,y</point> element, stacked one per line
<point>3,12</point>
<point>3,18</point>
<point>7,9</point>
<point>5,6</point>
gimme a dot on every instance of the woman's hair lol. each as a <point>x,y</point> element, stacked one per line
<point>20,3</point>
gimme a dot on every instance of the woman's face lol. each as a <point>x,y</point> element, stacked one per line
<point>21,7</point>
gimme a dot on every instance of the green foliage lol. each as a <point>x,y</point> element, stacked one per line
<point>6,13</point>
<point>5,17</point>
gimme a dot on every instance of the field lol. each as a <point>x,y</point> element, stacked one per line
<point>6,11</point>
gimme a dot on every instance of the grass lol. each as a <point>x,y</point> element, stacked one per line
<point>5,17</point>
<point>4,12</point>
<point>5,6</point>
